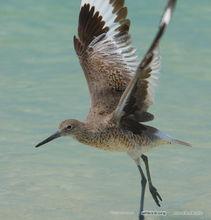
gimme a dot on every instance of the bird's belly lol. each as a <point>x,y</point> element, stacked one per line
<point>120,145</point>
<point>123,144</point>
<point>114,144</point>
<point>114,140</point>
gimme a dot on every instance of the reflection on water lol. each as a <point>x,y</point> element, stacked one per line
<point>42,84</point>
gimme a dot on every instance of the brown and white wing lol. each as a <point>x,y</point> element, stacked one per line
<point>104,49</point>
<point>139,94</point>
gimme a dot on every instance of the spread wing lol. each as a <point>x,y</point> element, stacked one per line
<point>104,49</point>
<point>139,94</point>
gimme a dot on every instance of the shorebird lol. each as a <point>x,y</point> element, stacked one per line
<point>121,89</point>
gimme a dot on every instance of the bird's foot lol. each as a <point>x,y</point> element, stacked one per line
<point>155,195</point>
<point>141,217</point>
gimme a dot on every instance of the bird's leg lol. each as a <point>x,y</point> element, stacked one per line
<point>156,196</point>
<point>143,184</point>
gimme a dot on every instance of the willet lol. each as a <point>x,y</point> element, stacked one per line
<point>121,89</point>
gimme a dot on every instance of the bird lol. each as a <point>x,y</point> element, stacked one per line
<point>121,88</point>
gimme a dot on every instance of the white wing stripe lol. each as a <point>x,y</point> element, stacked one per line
<point>153,80</point>
<point>105,9</point>
<point>112,43</point>
<point>167,16</point>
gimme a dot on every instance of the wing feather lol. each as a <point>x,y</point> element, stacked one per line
<point>139,94</point>
<point>105,52</point>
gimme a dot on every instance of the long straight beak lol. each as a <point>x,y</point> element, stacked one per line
<point>52,137</point>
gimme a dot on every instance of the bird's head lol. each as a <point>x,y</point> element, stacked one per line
<point>68,127</point>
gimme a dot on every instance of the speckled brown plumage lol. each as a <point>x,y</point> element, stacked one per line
<point>107,74</point>
<point>121,90</point>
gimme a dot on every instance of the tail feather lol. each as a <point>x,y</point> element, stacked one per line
<point>175,141</point>
<point>167,139</point>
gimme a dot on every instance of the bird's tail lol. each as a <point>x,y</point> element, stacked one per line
<point>167,139</point>
<point>176,141</point>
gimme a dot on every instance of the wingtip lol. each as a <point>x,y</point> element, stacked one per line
<point>168,12</point>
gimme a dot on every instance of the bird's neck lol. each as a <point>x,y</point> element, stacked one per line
<point>85,136</point>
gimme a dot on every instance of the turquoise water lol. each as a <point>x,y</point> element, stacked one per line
<point>41,83</point>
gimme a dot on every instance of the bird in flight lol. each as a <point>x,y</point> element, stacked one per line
<point>121,88</point>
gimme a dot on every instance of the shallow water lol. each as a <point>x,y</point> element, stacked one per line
<point>42,84</point>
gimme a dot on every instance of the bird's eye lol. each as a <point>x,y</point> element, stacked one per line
<point>69,127</point>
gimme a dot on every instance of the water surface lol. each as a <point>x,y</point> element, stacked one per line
<point>41,83</point>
